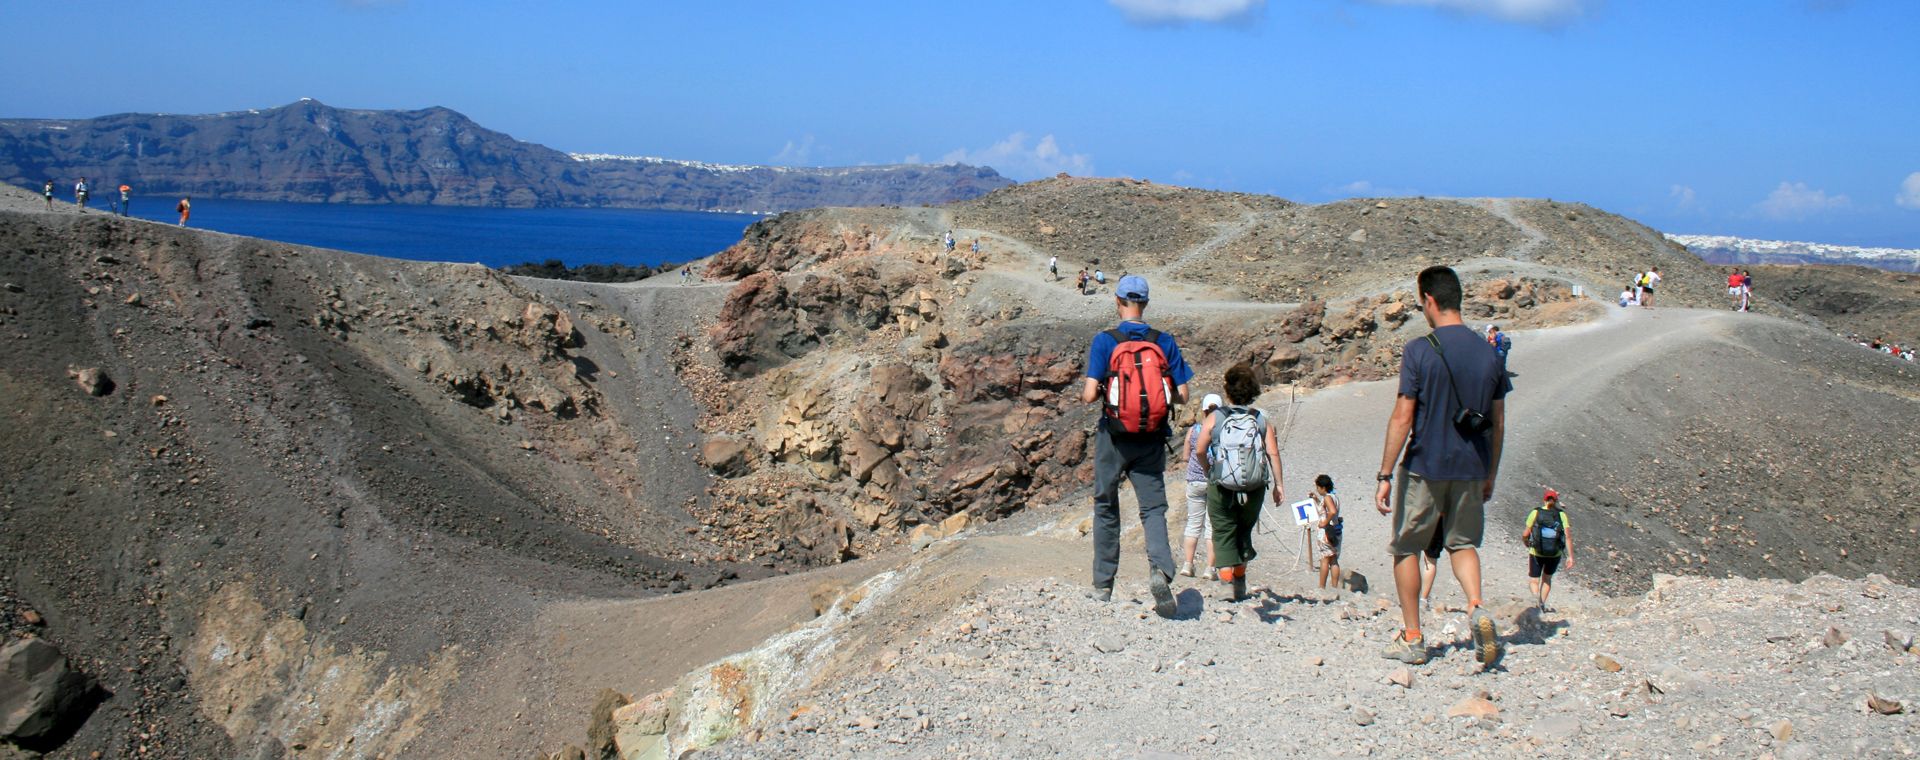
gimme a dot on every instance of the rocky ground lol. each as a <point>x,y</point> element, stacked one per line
<point>984,643</point>
<point>1870,303</point>
<point>1730,668</point>
<point>276,500</point>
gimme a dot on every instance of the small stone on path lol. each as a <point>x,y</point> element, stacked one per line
<point>1473,707</point>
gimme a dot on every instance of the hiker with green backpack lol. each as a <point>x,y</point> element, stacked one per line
<point>1547,544</point>
<point>1242,456</point>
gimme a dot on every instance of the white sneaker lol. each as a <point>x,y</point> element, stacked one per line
<point>1187,569</point>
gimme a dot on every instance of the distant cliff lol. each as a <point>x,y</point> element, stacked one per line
<point>1720,249</point>
<point>312,152</point>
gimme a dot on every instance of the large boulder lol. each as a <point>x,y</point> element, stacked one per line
<point>42,698</point>
<point>601,727</point>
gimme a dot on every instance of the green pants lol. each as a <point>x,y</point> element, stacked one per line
<point>1234,515</point>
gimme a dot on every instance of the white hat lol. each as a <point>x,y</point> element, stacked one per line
<point>1212,400</point>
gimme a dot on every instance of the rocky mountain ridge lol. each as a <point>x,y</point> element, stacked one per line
<point>311,152</point>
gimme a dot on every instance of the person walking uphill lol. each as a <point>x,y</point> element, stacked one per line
<point>48,192</point>
<point>1137,375</point>
<point>1449,420</point>
<point>185,207</point>
<point>1242,457</point>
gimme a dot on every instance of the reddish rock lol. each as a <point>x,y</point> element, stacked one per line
<point>1304,322</point>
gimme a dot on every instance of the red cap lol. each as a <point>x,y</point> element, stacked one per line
<point>1553,495</point>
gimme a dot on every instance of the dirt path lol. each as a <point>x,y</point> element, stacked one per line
<point>1503,208</point>
<point>1020,659</point>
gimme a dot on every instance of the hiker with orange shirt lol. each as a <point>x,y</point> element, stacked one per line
<point>185,207</point>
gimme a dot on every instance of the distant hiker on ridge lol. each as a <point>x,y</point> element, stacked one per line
<point>185,207</point>
<point>1746,289</point>
<point>1450,420</point>
<point>1197,523</point>
<point>126,200</point>
<point>1137,375</point>
<point>48,192</point>
<point>80,194</point>
<point>1242,455</point>
<point>1053,268</point>
<point>1647,281</point>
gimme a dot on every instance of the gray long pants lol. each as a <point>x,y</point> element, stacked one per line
<point>1143,461</point>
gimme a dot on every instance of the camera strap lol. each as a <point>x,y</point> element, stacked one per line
<point>1451,385</point>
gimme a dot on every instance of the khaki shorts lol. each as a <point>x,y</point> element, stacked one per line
<point>1431,515</point>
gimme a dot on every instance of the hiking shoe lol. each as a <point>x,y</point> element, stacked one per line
<point>1187,569</point>
<point>1410,652</point>
<point>1486,637</point>
<point>1101,593</point>
<point>1240,586</point>
<point>1164,604</point>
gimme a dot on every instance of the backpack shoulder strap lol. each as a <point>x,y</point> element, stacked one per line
<point>1118,336</point>
<point>1152,336</point>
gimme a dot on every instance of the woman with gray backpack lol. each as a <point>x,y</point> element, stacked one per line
<point>1242,458</point>
<point>1547,545</point>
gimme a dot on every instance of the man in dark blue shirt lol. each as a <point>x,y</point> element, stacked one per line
<point>1139,457</point>
<point>1449,419</point>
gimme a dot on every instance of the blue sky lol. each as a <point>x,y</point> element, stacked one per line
<point>1765,118</point>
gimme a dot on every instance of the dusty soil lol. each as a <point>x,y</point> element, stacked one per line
<point>1870,303</point>
<point>476,500</point>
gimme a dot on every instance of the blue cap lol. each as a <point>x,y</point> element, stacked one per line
<point>1132,287</point>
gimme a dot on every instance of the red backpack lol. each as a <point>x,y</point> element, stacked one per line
<point>1139,390</point>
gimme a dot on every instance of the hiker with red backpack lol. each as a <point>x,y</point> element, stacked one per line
<point>1240,450</point>
<point>1138,376</point>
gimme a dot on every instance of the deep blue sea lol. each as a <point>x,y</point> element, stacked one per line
<point>491,236</point>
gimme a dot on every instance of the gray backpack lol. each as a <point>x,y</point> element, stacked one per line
<point>1237,456</point>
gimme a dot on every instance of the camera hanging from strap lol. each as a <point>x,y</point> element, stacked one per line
<point>1470,423</point>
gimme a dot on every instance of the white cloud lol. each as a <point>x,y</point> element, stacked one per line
<point>795,154</point>
<point>1683,197</point>
<point>1909,196</point>
<point>1794,200</point>
<point>1013,158</point>
<point>1534,12</point>
<point>1366,189</point>
<point>1186,11</point>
